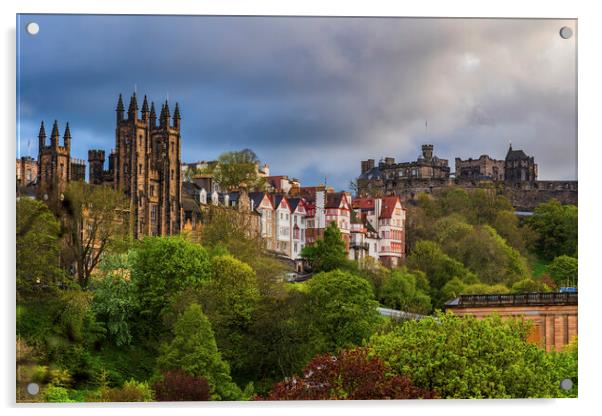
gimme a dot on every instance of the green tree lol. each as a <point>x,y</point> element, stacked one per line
<point>556,226</point>
<point>194,350</point>
<point>342,308</point>
<point>328,253</point>
<point>465,357</point>
<point>439,268</point>
<point>400,291</point>
<point>564,270</point>
<point>238,168</point>
<point>160,268</point>
<point>230,298</point>
<point>114,301</point>
<point>37,235</point>
<point>529,285</point>
<point>97,222</point>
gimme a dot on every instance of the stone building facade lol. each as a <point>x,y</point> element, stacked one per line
<point>482,168</point>
<point>145,166</point>
<point>554,316</point>
<point>403,179</point>
<point>56,168</point>
<point>519,168</point>
<point>27,171</point>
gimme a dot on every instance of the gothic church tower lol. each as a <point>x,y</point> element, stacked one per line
<point>147,167</point>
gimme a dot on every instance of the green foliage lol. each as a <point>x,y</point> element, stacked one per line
<point>556,226</point>
<point>564,270</point>
<point>131,391</point>
<point>56,394</point>
<point>114,304</point>
<point>160,268</point>
<point>96,224</point>
<point>439,268</point>
<point>279,341</point>
<point>529,285</point>
<point>400,291</point>
<point>194,350</point>
<point>342,308</point>
<point>464,357</point>
<point>37,235</point>
<point>229,299</point>
<point>328,253</point>
<point>238,168</point>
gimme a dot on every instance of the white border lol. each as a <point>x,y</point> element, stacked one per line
<point>590,71</point>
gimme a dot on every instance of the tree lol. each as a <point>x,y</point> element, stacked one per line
<point>194,350</point>
<point>350,375</point>
<point>37,235</point>
<point>564,270</point>
<point>342,308</point>
<point>556,226</point>
<point>114,301</point>
<point>529,285</point>
<point>160,268</point>
<point>439,268</point>
<point>400,291</point>
<point>239,168</point>
<point>465,357</point>
<point>228,231</point>
<point>229,299</point>
<point>178,386</point>
<point>96,222</point>
<point>328,253</point>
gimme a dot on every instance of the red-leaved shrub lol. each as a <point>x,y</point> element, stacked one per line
<point>179,386</point>
<point>351,375</point>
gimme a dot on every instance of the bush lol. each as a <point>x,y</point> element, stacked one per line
<point>131,391</point>
<point>564,270</point>
<point>351,375</point>
<point>178,386</point>
<point>56,394</point>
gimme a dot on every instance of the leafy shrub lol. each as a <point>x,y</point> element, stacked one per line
<point>131,391</point>
<point>56,394</point>
<point>351,375</point>
<point>178,386</point>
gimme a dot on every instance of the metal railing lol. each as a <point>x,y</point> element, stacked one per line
<point>519,299</point>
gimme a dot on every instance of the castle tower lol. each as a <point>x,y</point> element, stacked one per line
<point>147,169</point>
<point>427,151</point>
<point>96,161</point>
<point>54,171</point>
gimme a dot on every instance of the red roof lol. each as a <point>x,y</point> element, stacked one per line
<point>363,203</point>
<point>389,203</point>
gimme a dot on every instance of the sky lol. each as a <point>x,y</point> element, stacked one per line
<point>311,96</point>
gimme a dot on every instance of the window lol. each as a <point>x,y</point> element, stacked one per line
<point>140,167</point>
<point>173,147</point>
<point>172,174</point>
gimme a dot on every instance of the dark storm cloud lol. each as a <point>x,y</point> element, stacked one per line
<point>312,96</point>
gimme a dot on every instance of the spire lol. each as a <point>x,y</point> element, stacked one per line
<point>167,109</point>
<point>133,108</point>
<point>120,104</point>
<point>119,109</point>
<point>42,133</point>
<point>145,105</point>
<point>54,136</point>
<point>67,136</point>
<point>42,136</point>
<point>153,115</point>
<point>176,117</point>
